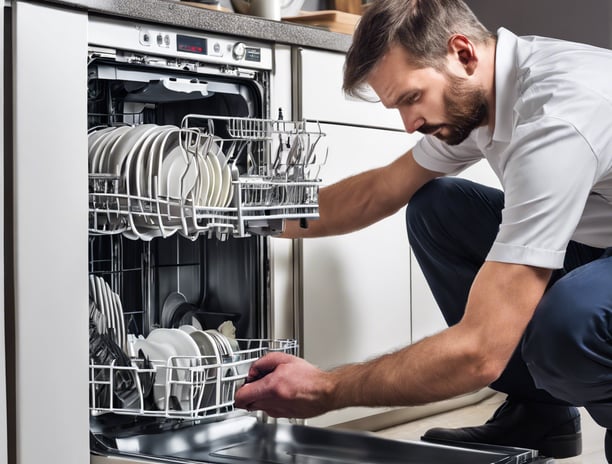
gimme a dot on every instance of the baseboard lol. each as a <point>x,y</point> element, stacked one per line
<point>395,416</point>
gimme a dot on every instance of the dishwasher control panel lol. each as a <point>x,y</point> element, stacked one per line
<point>175,43</point>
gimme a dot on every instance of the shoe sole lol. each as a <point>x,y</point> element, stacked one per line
<point>557,447</point>
<point>562,446</point>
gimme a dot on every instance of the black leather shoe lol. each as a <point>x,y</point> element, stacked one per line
<point>608,446</point>
<point>553,430</point>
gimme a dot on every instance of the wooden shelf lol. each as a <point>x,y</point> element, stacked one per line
<point>332,20</point>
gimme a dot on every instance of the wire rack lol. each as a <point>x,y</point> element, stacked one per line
<point>262,172</point>
<point>180,387</point>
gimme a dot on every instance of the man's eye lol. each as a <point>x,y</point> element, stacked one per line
<point>413,98</point>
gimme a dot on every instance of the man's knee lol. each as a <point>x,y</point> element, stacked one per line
<point>566,345</point>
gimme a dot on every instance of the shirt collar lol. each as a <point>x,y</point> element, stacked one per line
<point>506,92</point>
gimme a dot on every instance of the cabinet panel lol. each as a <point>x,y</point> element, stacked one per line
<point>320,81</point>
<point>356,287</point>
<point>50,239</point>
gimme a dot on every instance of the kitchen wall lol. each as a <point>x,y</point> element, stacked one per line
<point>586,21</point>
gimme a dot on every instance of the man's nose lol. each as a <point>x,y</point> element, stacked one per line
<point>411,123</point>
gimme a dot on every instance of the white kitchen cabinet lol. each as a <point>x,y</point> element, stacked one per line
<point>355,300</point>
<point>48,388</point>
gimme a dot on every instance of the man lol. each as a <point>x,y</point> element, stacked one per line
<point>522,277</point>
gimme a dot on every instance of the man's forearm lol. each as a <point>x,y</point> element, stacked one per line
<point>436,368</point>
<point>460,359</point>
<point>363,199</point>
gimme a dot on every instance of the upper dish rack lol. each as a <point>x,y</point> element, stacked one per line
<point>213,175</point>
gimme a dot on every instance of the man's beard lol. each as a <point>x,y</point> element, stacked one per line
<point>466,110</point>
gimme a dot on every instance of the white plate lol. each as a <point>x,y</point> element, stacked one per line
<point>188,329</point>
<point>204,181</point>
<point>139,159</point>
<point>178,176</point>
<point>212,182</point>
<point>101,303</point>
<point>158,353</point>
<point>127,143</point>
<point>215,193</point>
<point>104,147</point>
<point>101,324</point>
<point>223,344</point>
<point>144,160</point>
<point>120,315</point>
<point>95,134</point>
<point>226,190</point>
<point>162,145</point>
<point>210,355</point>
<point>93,140</point>
<point>227,354</point>
<point>185,346</point>
<point>109,301</point>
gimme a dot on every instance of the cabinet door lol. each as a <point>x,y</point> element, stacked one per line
<point>321,97</point>
<point>355,298</point>
<point>50,234</point>
<point>356,287</point>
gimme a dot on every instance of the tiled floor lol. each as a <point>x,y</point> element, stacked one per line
<point>592,441</point>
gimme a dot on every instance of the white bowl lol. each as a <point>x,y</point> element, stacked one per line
<point>288,7</point>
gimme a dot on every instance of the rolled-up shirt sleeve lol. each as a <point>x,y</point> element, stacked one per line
<point>435,155</point>
<point>548,173</point>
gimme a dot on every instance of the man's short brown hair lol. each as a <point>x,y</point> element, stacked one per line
<point>422,27</point>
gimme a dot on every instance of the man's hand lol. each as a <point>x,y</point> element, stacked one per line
<point>286,386</point>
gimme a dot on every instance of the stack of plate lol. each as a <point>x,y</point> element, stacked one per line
<point>181,356</point>
<point>109,304</point>
<point>161,169</point>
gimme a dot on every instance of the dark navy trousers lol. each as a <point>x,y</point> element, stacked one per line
<point>565,355</point>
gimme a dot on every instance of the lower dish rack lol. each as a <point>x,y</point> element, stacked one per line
<point>178,387</point>
<point>213,175</point>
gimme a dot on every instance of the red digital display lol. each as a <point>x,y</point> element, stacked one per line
<point>185,43</point>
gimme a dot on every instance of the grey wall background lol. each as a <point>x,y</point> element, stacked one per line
<point>588,21</point>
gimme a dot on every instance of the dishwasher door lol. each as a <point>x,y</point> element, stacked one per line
<point>244,438</point>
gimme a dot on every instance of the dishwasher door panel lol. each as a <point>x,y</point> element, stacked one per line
<point>245,439</point>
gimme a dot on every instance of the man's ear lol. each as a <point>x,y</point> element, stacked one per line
<point>462,53</point>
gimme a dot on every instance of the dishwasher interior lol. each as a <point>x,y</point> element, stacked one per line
<point>188,175</point>
<point>190,171</point>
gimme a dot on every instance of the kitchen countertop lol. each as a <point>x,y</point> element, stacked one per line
<point>179,14</point>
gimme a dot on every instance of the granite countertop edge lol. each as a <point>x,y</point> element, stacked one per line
<point>175,13</point>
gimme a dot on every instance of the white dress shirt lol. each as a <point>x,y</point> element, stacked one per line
<point>551,148</point>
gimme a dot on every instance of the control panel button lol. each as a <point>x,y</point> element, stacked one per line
<point>145,37</point>
<point>239,51</point>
